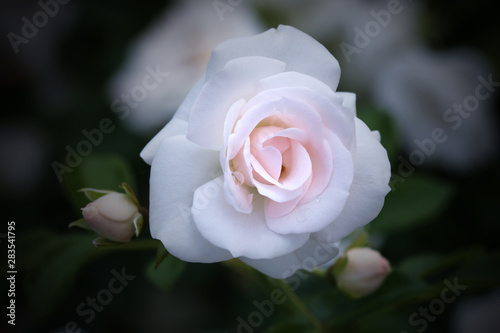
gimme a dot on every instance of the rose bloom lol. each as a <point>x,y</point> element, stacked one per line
<point>264,161</point>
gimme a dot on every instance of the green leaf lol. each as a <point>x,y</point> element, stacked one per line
<point>50,264</point>
<point>81,223</point>
<point>480,272</point>
<point>104,242</point>
<point>102,172</point>
<point>289,327</point>
<point>415,202</point>
<point>427,264</point>
<point>340,265</point>
<point>166,274</point>
<point>161,254</point>
<point>130,193</point>
<point>397,289</point>
<point>388,321</point>
<point>93,194</point>
<point>55,263</point>
<point>360,241</point>
<point>420,265</point>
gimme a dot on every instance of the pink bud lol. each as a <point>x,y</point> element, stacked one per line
<point>112,216</point>
<point>365,271</point>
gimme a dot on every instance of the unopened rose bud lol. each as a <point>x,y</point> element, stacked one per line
<point>114,216</point>
<point>363,273</point>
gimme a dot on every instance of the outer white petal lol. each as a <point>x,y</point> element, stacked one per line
<point>312,254</point>
<point>241,234</point>
<point>176,126</point>
<point>348,100</point>
<point>372,173</point>
<point>299,51</point>
<point>178,169</point>
<point>237,80</point>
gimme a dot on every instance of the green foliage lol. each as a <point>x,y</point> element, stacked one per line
<point>165,275</point>
<point>396,289</point>
<point>53,266</point>
<point>415,202</point>
<point>50,264</point>
<point>102,172</point>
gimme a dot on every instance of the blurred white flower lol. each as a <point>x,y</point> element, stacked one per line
<point>424,90</point>
<point>478,315</point>
<point>24,153</point>
<point>378,30</point>
<point>392,28</point>
<point>179,43</point>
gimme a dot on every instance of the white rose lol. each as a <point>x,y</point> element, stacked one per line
<point>264,161</point>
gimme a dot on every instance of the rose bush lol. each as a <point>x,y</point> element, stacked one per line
<point>264,161</point>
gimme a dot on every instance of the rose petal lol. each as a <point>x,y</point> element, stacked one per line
<point>271,161</point>
<point>295,80</point>
<point>329,105</point>
<point>236,195</point>
<point>241,234</point>
<point>372,173</point>
<point>277,209</point>
<point>297,167</point>
<point>237,80</point>
<point>172,183</point>
<point>309,256</point>
<point>176,126</point>
<point>348,100</point>
<point>288,111</point>
<point>317,214</point>
<point>322,168</point>
<point>241,163</point>
<point>232,116</point>
<point>268,157</point>
<point>286,44</point>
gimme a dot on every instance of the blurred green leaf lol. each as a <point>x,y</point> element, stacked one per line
<point>287,327</point>
<point>53,266</point>
<point>397,289</point>
<point>427,264</point>
<point>382,323</point>
<point>414,203</point>
<point>102,172</point>
<point>481,272</point>
<point>421,264</point>
<point>166,274</point>
<point>50,263</point>
<point>80,223</point>
<point>93,194</point>
<point>161,255</point>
